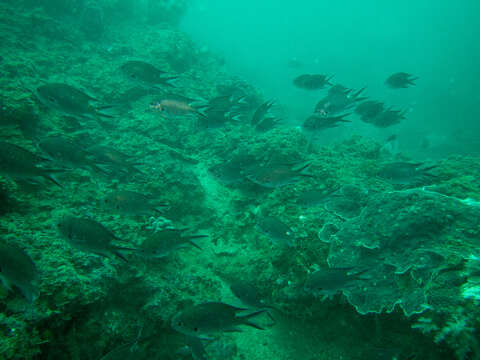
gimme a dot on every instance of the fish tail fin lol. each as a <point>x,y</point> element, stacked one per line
<point>48,174</point>
<point>119,255</point>
<point>98,169</point>
<point>328,80</point>
<point>194,244</point>
<point>168,81</point>
<point>200,113</point>
<point>117,251</point>
<point>412,80</point>
<point>246,320</point>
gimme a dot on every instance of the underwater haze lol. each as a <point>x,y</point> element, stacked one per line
<point>361,43</point>
<point>223,180</point>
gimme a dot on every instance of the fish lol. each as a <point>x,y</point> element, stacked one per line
<point>314,198</point>
<point>24,117</point>
<point>114,158</point>
<point>146,73</point>
<point>369,109</point>
<point>268,123</point>
<point>174,107</point>
<point>406,173</point>
<point>312,82</point>
<point>164,242</point>
<point>19,163</point>
<point>400,80</point>
<point>339,99</point>
<point>248,294</point>
<point>68,153</point>
<point>390,147</point>
<point>18,270</point>
<point>196,348</point>
<point>319,121</point>
<point>278,232</point>
<point>232,171</point>
<point>90,236</point>
<point>127,202</point>
<point>69,100</point>
<point>277,175</point>
<point>388,118</point>
<point>211,318</point>
<point>330,281</point>
<point>259,114</point>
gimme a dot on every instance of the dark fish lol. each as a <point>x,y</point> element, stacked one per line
<point>318,122</point>
<point>260,113</point>
<point>369,109</point>
<point>131,203</point>
<point>232,171</point>
<point>196,348</point>
<point>339,99</point>
<point>277,175</point>
<point>228,173</point>
<point>400,80</point>
<point>20,163</point>
<point>312,82</point>
<point>268,123</point>
<point>329,281</point>
<point>114,158</point>
<point>146,73</point>
<point>278,232</point>
<point>211,318</point>
<point>405,173</point>
<point>68,153</point>
<point>248,294</point>
<point>387,118</point>
<point>17,269</point>
<point>69,100</point>
<point>313,198</point>
<point>347,202</point>
<point>24,117</point>
<point>89,236</point>
<point>164,242</point>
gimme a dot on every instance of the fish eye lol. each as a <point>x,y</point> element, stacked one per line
<point>51,99</point>
<point>179,323</point>
<point>195,329</point>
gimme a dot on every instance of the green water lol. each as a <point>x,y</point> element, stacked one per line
<point>190,179</point>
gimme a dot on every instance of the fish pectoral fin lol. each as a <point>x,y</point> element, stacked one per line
<point>254,325</point>
<point>194,244</point>
<point>246,319</point>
